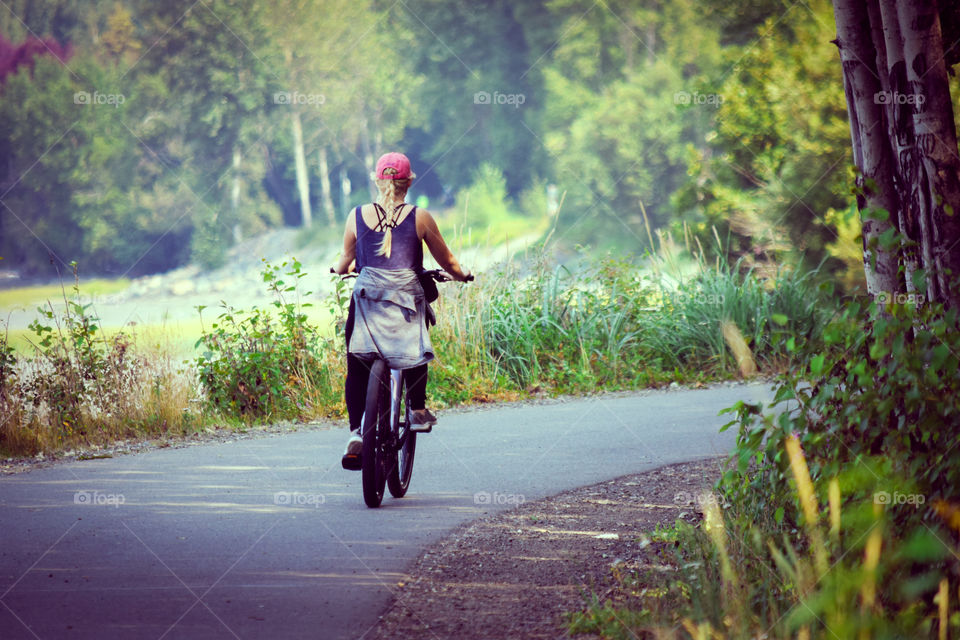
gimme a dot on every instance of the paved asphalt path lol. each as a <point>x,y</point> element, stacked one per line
<point>269,537</point>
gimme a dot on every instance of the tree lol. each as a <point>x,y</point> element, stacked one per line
<point>213,58</point>
<point>333,53</point>
<point>773,168</point>
<point>37,113</point>
<point>615,120</point>
<point>484,90</point>
<point>904,145</point>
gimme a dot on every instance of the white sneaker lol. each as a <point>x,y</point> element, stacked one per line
<point>351,455</point>
<point>354,444</point>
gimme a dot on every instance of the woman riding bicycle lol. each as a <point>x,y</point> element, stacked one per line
<point>388,309</point>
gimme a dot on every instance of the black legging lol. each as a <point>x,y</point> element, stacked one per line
<point>358,374</point>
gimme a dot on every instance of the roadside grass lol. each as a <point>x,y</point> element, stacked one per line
<point>839,513</point>
<point>545,329</point>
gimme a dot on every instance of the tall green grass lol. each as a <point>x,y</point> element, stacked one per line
<point>610,324</point>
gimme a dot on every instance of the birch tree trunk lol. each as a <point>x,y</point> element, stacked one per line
<point>368,158</point>
<point>325,199</point>
<point>893,76</point>
<point>868,129</point>
<point>235,194</point>
<point>938,166</point>
<point>300,162</point>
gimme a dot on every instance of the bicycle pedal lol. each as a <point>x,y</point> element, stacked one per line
<point>351,462</point>
<point>421,428</point>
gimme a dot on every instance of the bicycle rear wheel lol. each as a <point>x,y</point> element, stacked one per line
<point>401,461</point>
<point>376,428</point>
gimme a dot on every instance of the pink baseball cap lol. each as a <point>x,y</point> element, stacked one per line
<point>397,161</point>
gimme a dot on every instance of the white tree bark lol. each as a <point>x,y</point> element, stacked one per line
<point>325,199</point>
<point>300,162</point>
<point>893,76</point>
<point>235,194</point>
<point>938,165</point>
<point>862,85</point>
<point>368,158</point>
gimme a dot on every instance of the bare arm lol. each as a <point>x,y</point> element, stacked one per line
<point>428,231</point>
<point>349,246</point>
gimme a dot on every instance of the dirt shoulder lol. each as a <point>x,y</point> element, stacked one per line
<point>516,574</point>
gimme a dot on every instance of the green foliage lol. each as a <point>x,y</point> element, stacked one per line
<point>614,122</point>
<point>766,312</point>
<point>775,162</point>
<point>495,51</point>
<point>887,385</point>
<point>883,383</point>
<point>705,114</point>
<point>841,506</point>
<point>608,324</point>
<point>607,620</point>
<point>268,363</point>
<point>485,200</point>
<point>575,329</point>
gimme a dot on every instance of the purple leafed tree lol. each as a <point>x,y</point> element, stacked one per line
<point>13,56</point>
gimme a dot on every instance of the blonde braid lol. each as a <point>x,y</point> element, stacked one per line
<point>391,191</point>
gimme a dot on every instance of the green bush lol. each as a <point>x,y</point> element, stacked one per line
<point>485,200</point>
<point>269,363</point>
<point>577,330</point>
<point>610,325</point>
<point>873,411</point>
<point>885,381</point>
<point>841,511</point>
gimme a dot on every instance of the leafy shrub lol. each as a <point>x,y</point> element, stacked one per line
<point>609,325</point>
<point>485,200</point>
<point>267,363</point>
<point>872,408</point>
<point>885,381</point>
<point>842,515</point>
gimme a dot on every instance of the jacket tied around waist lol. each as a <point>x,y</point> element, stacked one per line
<point>390,318</point>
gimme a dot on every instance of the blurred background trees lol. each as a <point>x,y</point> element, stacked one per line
<point>138,136</point>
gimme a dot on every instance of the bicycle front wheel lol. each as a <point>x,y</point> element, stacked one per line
<point>376,428</point>
<point>401,462</point>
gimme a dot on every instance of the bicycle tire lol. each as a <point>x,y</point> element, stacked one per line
<point>376,423</point>
<point>401,461</point>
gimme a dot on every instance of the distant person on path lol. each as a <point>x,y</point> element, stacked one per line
<point>385,239</point>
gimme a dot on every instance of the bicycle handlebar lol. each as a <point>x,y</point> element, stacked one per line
<point>442,276</point>
<point>437,274</point>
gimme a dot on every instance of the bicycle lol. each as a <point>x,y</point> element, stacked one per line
<point>389,443</point>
